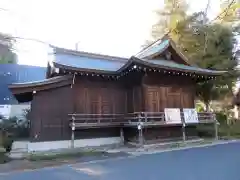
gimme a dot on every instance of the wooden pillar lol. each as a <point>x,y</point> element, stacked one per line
<point>122,135</point>
<point>72,139</point>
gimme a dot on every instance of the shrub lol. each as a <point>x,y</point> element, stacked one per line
<point>205,130</point>
<point>7,143</point>
<point>221,117</point>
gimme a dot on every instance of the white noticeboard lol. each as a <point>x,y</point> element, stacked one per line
<point>190,115</point>
<point>172,116</point>
<point>5,110</point>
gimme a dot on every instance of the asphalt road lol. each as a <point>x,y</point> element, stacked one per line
<point>220,162</point>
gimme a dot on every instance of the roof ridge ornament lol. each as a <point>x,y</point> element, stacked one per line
<point>168,55</point>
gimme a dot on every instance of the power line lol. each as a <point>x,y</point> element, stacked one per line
<point>204,22</point>
<point>216,18</point>
<point>32,39</point>
<point>225,11</point>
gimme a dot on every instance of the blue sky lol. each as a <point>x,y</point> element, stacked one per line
<point>108,27</point>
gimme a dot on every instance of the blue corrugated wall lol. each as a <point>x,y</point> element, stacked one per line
<point>15,73</point>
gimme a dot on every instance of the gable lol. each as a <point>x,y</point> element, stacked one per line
<point>171,54</point>
<point>163,48</point>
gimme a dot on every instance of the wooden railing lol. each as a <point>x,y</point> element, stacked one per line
<point>159,117</point>
<point>96,119</point>
<point>148,118</point>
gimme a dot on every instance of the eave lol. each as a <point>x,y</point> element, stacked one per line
<point>23,92</point>
<point>158,64</point>
<point>64,67</point>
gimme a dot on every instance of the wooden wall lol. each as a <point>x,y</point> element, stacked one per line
<point>135,99</point>
<point>49,110</point>
<point>154,92</point>
<point>99,97</point>
<point>167,92</point>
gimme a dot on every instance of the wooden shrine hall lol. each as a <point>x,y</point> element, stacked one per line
<point>91,99</point>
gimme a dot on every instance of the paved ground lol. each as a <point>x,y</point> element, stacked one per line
<point>220,162</point>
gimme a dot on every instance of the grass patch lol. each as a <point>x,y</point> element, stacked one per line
<point>63,156</point>
<point>189,144</point>
<point>225,131</point>
<point>177,145</point>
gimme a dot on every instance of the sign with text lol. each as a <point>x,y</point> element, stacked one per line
<point>172,115</point>
<point>190,115</point>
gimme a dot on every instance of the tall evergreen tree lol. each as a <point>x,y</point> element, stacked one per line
<point>7,54</point>
<point>173,12</point>
<point>208,45</point>
<point>230,11</point>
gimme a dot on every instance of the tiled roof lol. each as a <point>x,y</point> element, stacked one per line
<point>181,67</point>
<point>85,60</point>
<point>82,61</point>
<point>88,62</point>
<point>157,47</point>
<point>58,50</point>
<point>40,82</point>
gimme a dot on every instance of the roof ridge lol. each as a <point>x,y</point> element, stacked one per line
<point>153,43</point>
<point>88,54</point>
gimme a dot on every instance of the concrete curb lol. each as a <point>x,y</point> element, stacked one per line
<point>184,148</point>
<point>121,158</point>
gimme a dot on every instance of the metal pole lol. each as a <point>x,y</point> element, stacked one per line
<point>76,45</point>
<point>184,132</point>
<point>216,127</point>
<point>140,136</point>
<point>73,129</point>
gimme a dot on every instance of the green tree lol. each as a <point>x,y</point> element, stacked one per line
<point>208,46</point>
<point>173,12</point>
<point>230,11</point>
<point>7,54</point>
<point>211,46</point>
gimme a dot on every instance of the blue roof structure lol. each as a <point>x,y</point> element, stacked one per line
<point>15,73</point>
<point>157,47</point>
<point>92,63</point>
<point>83,61</point>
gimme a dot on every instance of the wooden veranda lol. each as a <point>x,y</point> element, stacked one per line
<point>138,120</point>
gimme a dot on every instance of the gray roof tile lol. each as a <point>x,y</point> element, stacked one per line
<point>153,49</point>
<point>88,62</point>
<point>173,65</point>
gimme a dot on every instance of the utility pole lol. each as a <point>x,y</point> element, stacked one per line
<point>205,24</point>
<point>76,45</point>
